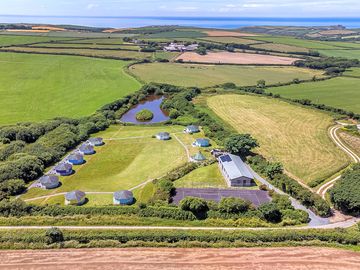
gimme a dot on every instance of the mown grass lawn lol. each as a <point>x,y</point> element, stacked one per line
<point>295,136</point>
<point>41,87</point>
<point>210,75</point>
<point>124,162</point>
<point>350,54</point>
<point>340,92</point>
<point>203,177</point>
<point>7,40</point>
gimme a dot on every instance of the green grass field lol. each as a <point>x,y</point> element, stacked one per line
<point>124,162</point>
<point>109,41</point>
<point>339,92</point>
<point>355,72</point>
<point>87,46</point>
<point>235,40</point>
<point>203,177</point>
<point>351,54</point>
<point>7,40</point>
<point>84,52</point>
<point>39,87</point>
<point>295,136</point>
<point>280,48</point>
<point>176,34</point>
<point>209,75</point>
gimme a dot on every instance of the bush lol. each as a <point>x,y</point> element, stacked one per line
<point>240,144</point>
<point>144,115</point>
<point>13,186</point>
<point>193,204</point>
<point>270,212</point>
<point>233,205</point>
<point>54,235</point>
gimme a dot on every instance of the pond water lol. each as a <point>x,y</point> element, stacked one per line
<point>151,103</point>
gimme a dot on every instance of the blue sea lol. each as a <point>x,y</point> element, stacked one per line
<point>207,22</point>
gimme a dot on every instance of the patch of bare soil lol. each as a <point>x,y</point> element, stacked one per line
<point>236,58</point>
<point>176,258</point>
<point>218,33</point>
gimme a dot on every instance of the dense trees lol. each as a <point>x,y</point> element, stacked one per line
<point>328,62</point>
<point>346,192</point>
<point>240,144</point>
<point>233,205</point>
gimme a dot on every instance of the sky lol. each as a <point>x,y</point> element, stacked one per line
<point>183,8</point>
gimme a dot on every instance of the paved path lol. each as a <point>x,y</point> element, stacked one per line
<point>354,157</point>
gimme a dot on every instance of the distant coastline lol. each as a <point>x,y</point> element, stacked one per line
<point>207,22</point>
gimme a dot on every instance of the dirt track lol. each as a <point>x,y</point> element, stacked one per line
<point>236,58</point>
<point>165,258</point>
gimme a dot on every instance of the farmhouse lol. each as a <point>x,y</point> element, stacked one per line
<point>123,197</point>
<point>198,157</point>
<point>64,169</point>
<point>76,197</point>
<point>87,149</point>
<point>235,171</point>
<point>96,141</point>
<point>49,182</point>
<point>76,159</point>
<point>175,47</point>
<point>201,142</point>
<point>163,136</point>
<point>192,129</point>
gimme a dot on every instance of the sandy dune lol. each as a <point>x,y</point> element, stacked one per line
<point>166,258</point>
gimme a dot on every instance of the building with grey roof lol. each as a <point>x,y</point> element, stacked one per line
<point>123,197</point>
<point>87,149</point>
<point>75,197</point>
<point>64,169</point>
<point>235,171</point>
<point>163,136</point>
<point>96,141</point>
<point>192,129</point>
<point>76,159</point>
<point>49,181</point>
<point>202,142</point>
<point>198,157</point>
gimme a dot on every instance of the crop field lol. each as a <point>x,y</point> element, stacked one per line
<point>69,34</point>
<point>84,52</point>
<point>129,157</point>
<point>176,34</point>
<point>222,33</point>
<point>108,41</point>
<point>236,58</point>
<point>295,136</point>
<point>39,87</point>
<point>280,48</point>
<point>350,54</point>
<point>203,177</point>
<point>235,40</point>
<point>7,40</point>
<point>87,46</point>
<point>340,92</point>
<point>210,75</point>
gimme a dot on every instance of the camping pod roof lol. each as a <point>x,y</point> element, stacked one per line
<point>63,167</point>
<point>123,195</point>
<point>47,180</point>
<point>75,195</point>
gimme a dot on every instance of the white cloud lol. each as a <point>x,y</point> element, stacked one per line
<point>92,6</point>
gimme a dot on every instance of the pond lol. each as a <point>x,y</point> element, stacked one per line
<point>151,103</point>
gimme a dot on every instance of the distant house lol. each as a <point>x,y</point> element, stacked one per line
<point>96,141</point>
<point>76,159</point>
<point>76,197</point>
<point>201,142</point>
<point>87,149</point>
<point>192,129</point>
<point>49,182</point>
<point>64,169</point>
<point>163,136</point>
<point>177,47</point>
<point>123,197</point>
<point>198,157</point>
<point>235,171</point>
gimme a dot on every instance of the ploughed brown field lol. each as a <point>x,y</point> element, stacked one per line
<point>219,33</point>
<point>236,58</point>
<point>179,258</point>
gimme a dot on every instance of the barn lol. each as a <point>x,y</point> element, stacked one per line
<point>75,197</point>
<point>163,136</point>
<point>123,197</point>
<point>49,182</point>
<point>64,169</point>
<point>87,149</point>
<point>235,171</point>
<point>76,159</point>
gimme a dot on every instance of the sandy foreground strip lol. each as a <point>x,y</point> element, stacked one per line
<point>218,33</point>
<point>167,258</point>
<point>236,58</point>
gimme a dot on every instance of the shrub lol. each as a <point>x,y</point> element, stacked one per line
<point>241,144</point>
<point>270,212</point>
<point>233,205</point>
<point>193,204</point>
<point>54,235</point>
<point>144,115</point>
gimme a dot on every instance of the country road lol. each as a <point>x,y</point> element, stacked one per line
<point>354,157</point>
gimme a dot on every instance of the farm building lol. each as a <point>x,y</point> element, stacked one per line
<point>235,171</point>
<point>163,136</point>
<point>76,197</point>
<point>96,141</point>
<point>201,142</point>
<point>198,157</point>
<point>76,159</point>
<point>175,47</point>
<point>192,129</point>
<point>123,197</point>
<point>87,149</point>
<point>64,169</point>
<point>49,182</point>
